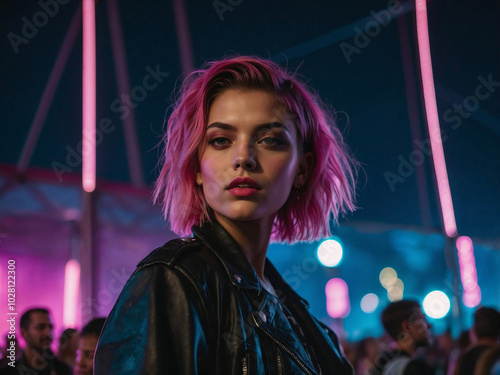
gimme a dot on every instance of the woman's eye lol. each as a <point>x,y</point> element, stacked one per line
<point>273,141</point>
<point>219,142</point>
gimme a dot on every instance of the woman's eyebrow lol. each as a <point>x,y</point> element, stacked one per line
<point>273,125</point>
<point>267,126</point>
<point>221,125</point>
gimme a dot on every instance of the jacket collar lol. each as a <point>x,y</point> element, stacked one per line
<point>239,270</point>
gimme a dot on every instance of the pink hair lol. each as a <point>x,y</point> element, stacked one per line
<point>330,187</point>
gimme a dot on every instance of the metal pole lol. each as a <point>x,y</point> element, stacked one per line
<point>183,37</point>
<point>122,79</point>
<point>49,92</point>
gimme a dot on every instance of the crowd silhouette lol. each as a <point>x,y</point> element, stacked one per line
<point>75,351</point>
<point>408,335</point>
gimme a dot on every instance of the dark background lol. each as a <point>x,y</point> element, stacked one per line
<point>397,225</point>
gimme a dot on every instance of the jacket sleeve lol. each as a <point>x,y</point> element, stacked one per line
<point>159,325</point>
<point>347,366</point>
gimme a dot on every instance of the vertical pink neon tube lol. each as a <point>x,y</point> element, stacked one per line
<point>450,226</point>
<point>71,292</point>
<point>88,97</point>
<point>471,296</point>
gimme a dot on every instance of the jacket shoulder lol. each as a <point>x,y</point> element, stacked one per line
<point>170,252</point>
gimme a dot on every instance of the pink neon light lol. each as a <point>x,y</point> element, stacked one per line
<point>472,298</point>
<point>88,97</point>
<point>71,292</point>
<point>450,226</point>
<point>472,293</point>
<point>337,298</point>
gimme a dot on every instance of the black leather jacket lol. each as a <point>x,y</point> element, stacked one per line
<point>196,306</point>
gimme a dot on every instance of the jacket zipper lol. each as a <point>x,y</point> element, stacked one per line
<point>279,363</point>
<point>284,347</point>
<point>245,365</point>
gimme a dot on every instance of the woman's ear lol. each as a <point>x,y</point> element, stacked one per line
<point>199,178</point>
<point>305,168</point>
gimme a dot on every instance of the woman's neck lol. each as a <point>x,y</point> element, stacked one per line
<point>253,238</point>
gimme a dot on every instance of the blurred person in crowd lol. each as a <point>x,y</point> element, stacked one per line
<point>11,347</point>
<point>489,362</point>
<point>405,322</point>
<point>437,355</point>
<point>349,350</point>
<point>88,342</point>
<point>462,343</point>
<point>368,351</point>
<point>37,358</point>
<point>485,333</point>
<point>68,345</point>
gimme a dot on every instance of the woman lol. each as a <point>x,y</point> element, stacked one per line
<point>250,158</point>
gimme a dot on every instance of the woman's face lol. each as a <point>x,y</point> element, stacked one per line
<point>250,157</point>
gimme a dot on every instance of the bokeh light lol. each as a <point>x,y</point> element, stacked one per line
<point>330,253</point>
<point>472,293</point>
<point>337,298</point>
<point>388,277</point>
<point>436,304</point>
<point>472,297</point>
<point>395,291</point>
<point>369,303</point>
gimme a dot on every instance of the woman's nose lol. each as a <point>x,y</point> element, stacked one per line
<point>244,157</point>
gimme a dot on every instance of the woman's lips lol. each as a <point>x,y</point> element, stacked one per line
<point>243,192</point>
<point>243,187</point>
<point>246,182</point>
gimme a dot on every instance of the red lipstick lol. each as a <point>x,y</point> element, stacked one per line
<point>243,187</point>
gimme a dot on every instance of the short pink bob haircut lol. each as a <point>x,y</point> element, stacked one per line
<point>330,188</point>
